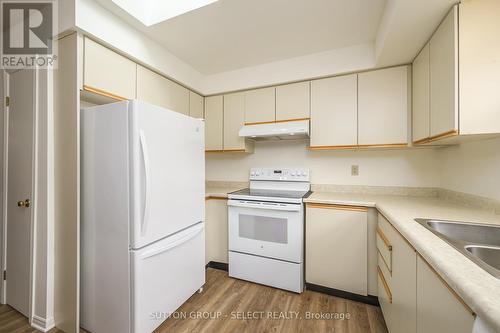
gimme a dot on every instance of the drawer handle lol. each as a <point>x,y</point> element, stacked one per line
<point>386,286</point>
<point>384,239</point>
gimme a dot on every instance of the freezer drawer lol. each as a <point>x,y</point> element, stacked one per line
<point>164,275</point>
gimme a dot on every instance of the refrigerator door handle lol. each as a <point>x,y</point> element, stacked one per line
<point>145,161</point>
<point>153,252</point>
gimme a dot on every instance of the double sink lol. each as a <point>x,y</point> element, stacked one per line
<point>478,242</point>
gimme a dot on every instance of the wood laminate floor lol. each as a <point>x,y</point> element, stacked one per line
<point>239,306</point>
<point>231,305</point>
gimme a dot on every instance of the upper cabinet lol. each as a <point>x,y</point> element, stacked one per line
<point>224,117</point>
<point>443,76</point>
<point>383,100</point>
<point>462,84</point>
<point>260,106</point>
<point>234,120</point>
<point>363,110</point>
<point>293,101</point>
<point>214,117</point>
<point>334,112</point>
<point>107,73</point>
<point>112,75</point>
<point>196,105</point>
<point>158,90</point>
<point>421,100</point>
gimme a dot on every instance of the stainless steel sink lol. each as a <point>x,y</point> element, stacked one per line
<point>488,254</point>
<point>478,242</point>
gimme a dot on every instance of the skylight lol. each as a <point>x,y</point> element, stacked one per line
<point>151,12</point>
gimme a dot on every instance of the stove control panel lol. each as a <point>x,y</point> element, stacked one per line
<point>277,174</point>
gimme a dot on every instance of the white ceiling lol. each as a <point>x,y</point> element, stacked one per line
<point>234,34</point>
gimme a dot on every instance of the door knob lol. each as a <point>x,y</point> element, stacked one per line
<point>26,203</point>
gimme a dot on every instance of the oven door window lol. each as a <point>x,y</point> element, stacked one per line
<point>263,228</point>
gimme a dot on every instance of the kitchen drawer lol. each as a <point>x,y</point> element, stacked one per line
<point>384,248</point>
<point>384,291</point>
<point>385,270</point>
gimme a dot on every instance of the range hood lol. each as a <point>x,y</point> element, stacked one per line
<point>289,130</point>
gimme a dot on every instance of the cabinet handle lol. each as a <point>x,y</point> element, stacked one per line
<point>384,238</point>
<point>386,286</point>
<point>337,207</point>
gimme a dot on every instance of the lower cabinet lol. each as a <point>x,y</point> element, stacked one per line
<point>337,247</point>
<point>397,272</point>
<point>216,230</point>
<point>412,296</point>
<point>439,310</point>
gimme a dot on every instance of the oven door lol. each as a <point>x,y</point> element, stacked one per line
<point>268,229</point>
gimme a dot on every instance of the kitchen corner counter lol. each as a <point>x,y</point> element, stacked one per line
<point>220,192</point>
<point>479,289</point>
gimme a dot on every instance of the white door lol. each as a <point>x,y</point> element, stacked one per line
<point>168,171</point>
<point>267,229</point>
<point>164,275</point>
<point>19,188</point>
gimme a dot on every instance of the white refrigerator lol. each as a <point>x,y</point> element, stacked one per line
<point>142,213</point>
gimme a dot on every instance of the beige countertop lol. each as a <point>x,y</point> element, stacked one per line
<point>479,289</point>
<point>221,191</point>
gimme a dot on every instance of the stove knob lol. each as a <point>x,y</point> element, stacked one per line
<point>304,173</point>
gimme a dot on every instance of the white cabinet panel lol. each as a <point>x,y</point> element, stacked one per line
<point>444,76</point>
<point>196,105</point>
<point>108,73</point>
<point>158,90</point>
<point>421,91</point>
<point>216,230</point>
<point>383,106</point>
<point>438,309</point>
<point>336,247</point>
<point>260,105</point>
<point>214,118</point>
<point>234,119</point>
<point>479,28</point>
<point>293,101</point>
<point>334,111</point>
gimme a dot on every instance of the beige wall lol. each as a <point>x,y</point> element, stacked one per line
<point>472,168</point>
<point>415,167</point>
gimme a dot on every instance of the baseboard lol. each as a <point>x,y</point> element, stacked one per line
<point>372,300</point>
<point>218,265</point>
<point>42,324</point>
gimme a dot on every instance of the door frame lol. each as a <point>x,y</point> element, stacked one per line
<point>33,220</point>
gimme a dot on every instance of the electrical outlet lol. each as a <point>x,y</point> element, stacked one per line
<point>354,170</point>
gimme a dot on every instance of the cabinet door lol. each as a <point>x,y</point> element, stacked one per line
<point>216,231</point>
<point>383,107</point>
<point>479,70</point>
<point>108,73</point>
<point>195,105</point>
<point>439,310</point>
<point>334,111</point>
<point>293,101</point>
<point>421,90</point>
<point>444,76</point>
<point>178,97</point>
<point>234,119</point>
<point>158,90</point>
<point>260,105</point>
<point>214,117</point>
<point>399,272</point>
<point>336,247</point>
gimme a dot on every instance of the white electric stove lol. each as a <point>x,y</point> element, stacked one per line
<point>266,228</point>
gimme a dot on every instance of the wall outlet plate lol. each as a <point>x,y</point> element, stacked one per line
<point>354,170</point>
